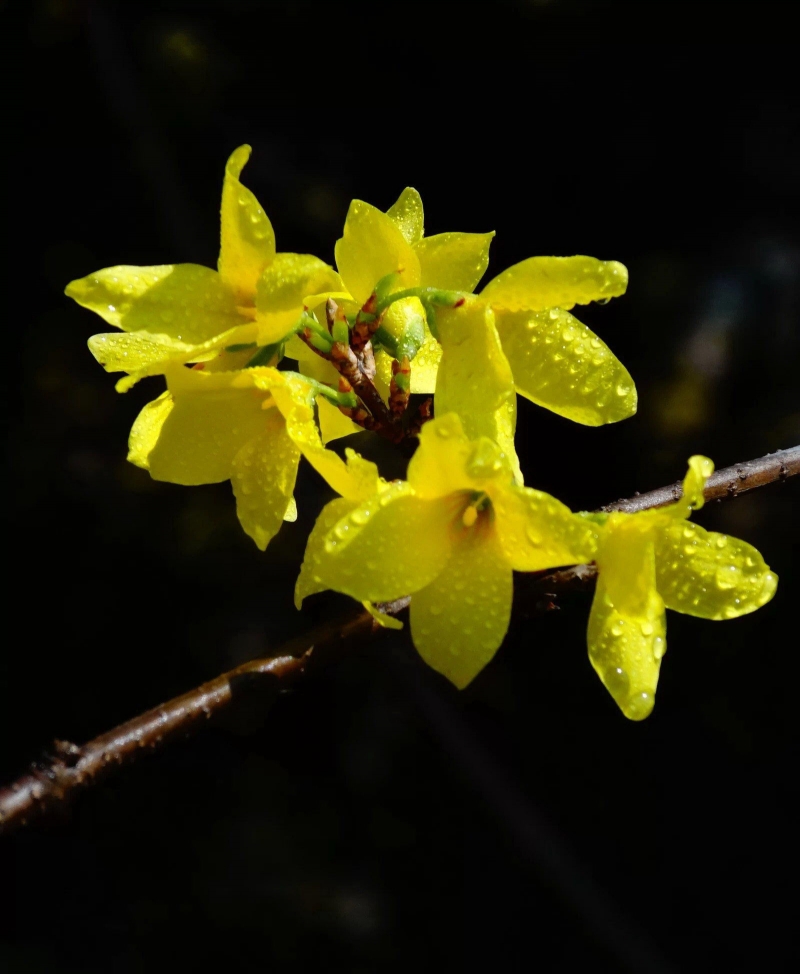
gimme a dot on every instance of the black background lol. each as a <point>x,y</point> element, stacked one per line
<point>377,819</point>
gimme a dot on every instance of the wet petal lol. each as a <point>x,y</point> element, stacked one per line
<point>391,545</point>
<point>447,461</point>
<point>147,428</point>
<point>459,620</point>
<point>475,379</point>
<point>700,469</point>
<point>263,475</point>
<point>186,302</point>
<point>404,322</point>
<point>311,578</point>
<point>372,247</point>
<point>536,531</point>
<point>247,238</point>
<point>540,283</point>
<point>626,649</point>
<point>453,261</point>
<point>408,214</point>
<point>560,364</point>
<point>714,576</point>
<point>214,415</point>
<point>286,287</point>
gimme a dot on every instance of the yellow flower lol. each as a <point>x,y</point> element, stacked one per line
<point>249,427</point>
<point>176,313</point>
<point>654,560</point>
<point>450,536</point>
<point>375,245</point>
<point>556,361</point>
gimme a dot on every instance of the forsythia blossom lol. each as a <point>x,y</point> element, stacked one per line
<point>398,316</point>
<point>652,560</point>
<point>450,535</point>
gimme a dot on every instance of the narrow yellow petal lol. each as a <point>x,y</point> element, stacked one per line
<point>147,428</point>
<point>475,379</point>
<point>247,241</point>
<point>447,461</point>
<point>459,620</point>
<point>384,620</point>
<point>311,578</point>
<point>372,247</point>
<point>263,475</point>
<point>710,575</point>
<point>285,287</point>
<point>700,469</point>
<point>560,364</point>
<point>213,417</point>
<point>407,213</point>
<point>185,302</point>
<point>540,283</point>
<point>536,531</point>
<point>626,649</point>
<point>453,261</point>
<point>391,545</point>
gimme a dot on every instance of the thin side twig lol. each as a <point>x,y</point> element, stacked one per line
<point>69,768</point>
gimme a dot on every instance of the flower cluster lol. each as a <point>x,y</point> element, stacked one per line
<point>399,315</point>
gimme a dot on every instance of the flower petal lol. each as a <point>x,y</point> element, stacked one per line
<point>185,302</point>
<point>372,247</point>
<point>700,469</point>
<point>393,544</point>
<point>333,424</point>
<point>560,364</point>
<point>537,531</point>
<point>295,399</point>
<point>459,620</point>
<point>263,474</point>
<point>626,650</point>
<point>475,379</point>
<point>710,575</point>
<point>408,214</point>
<point>453,261</point>
<point>247,239</point>
<point>284,289</point>
<point>539,283</point>
<point>214,415</point>
<point>147,429</point>
<point>311,580</point>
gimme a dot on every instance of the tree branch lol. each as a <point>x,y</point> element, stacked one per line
<point>68,768</point>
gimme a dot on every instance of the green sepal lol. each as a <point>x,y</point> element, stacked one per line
<point>241,347</point>
<point>402,381</point>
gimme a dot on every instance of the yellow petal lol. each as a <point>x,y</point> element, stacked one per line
<point>560,364</point>
<point>460,619</point>
<point>372,247</point>
<point>474,378</point>
<point>214,415</point>
<point>556,282</point>
<point>625,559</point>
<point>147,428</point>
<point>447,461</point>
<point>290,514</point>
<point>286,287</point>
<point>391,545</point>
<point>263,475</point>
<point>700,469</point>
<point>186,302</point>
<point>384,620</point>
<point>537,531</point>
<point>425,367</point>
<point>407,213</point>
<point>626,649</point>
<point>453,261</point>
<point>247,242</point>
<point>295,399</point>
<point>710,575</point>
<point>311,578</point>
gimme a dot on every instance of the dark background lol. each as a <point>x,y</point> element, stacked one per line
<point>375,818</point>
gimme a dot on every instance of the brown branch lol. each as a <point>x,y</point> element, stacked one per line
<point>70,768</point>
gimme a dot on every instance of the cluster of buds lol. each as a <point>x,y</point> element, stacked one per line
<point>394,330</point>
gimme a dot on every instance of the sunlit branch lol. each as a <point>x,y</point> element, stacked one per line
<point>68,767</point>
